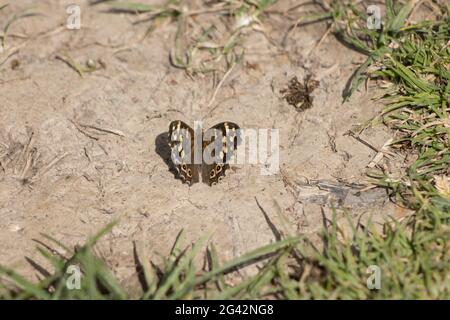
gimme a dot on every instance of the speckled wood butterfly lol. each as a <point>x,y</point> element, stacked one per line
<point>202,153</point>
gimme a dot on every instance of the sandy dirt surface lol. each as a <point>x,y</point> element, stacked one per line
<point>79,152</point>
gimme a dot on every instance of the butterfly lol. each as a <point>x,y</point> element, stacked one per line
<point>206,155</point>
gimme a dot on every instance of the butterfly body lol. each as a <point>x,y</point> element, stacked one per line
<point>205,154</point>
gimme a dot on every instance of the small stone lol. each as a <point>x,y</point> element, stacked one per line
<point>15,228</point>
<point>91,63</point>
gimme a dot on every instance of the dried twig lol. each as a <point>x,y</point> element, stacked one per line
<point>322,39</point>
<point>213,98</point>
<point>383,151</point>
<point>351,134</point>
<point>48,166</point>
<point>112,131</point>
<point>87,134</point>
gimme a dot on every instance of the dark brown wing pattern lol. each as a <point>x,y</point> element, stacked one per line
<point>181,138</point>
<point>213,172</point>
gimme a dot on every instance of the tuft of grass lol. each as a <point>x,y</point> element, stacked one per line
<point>97,279</point>
<point>414,59</point>
<point>177,278</point>
<point>21,15</point>
<point>350,26</point>
<point>413,264</point>
<point>203,49</point>
<point>418,109</point>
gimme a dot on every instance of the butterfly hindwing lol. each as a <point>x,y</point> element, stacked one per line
<point>228,134</point>
<point>181,137</point>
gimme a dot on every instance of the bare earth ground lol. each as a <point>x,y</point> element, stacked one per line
<point>75,182</point>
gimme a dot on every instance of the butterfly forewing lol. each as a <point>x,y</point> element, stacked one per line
<point>219,145</point>
<point>181,138</point>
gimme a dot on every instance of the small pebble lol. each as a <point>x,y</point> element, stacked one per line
<point>91,63</point>
<point>15,228</point>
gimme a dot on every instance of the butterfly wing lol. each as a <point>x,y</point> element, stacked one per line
<point>181,138</point>
<point>230,139</point>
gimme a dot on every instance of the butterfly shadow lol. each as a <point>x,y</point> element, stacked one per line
<point>162,148</point>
